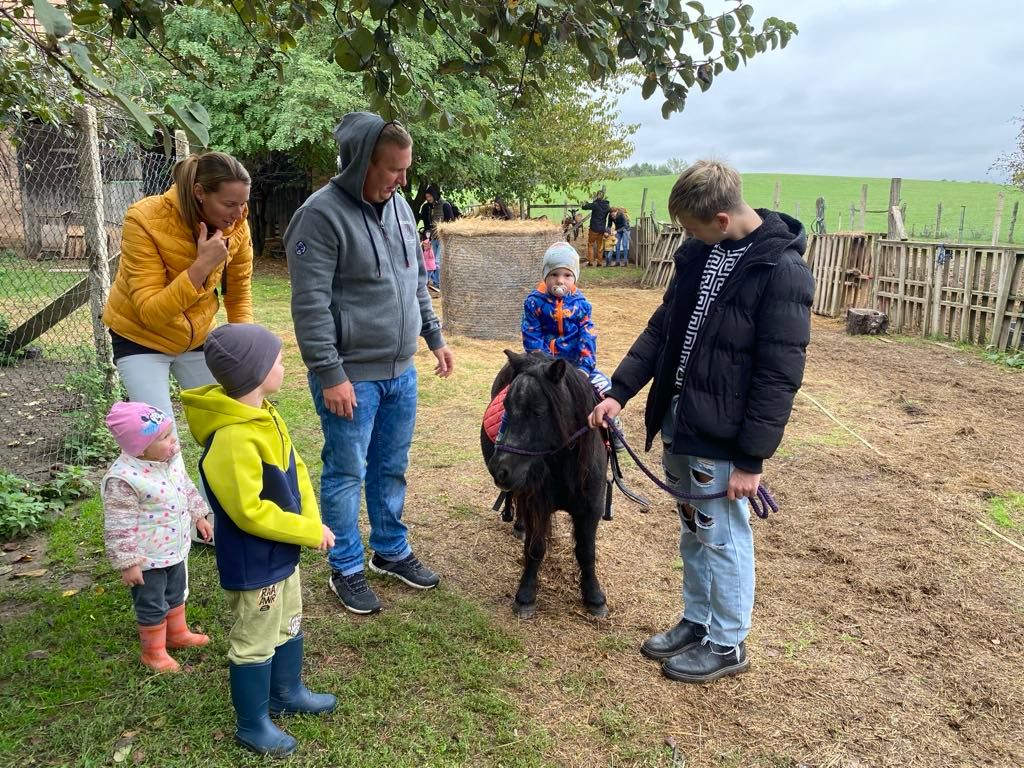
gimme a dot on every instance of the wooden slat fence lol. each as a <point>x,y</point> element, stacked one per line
<point>643,240</point>
<point>967,293</point>
<point>661,267</point>
<point>843,270</point>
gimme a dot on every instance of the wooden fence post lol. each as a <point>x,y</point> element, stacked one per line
<point>1013,219</point>
<point>1009,261</point>
<point>775,197</point>
<point>960,232</point>
<point>863,206</point>
<point>997,223</point>
<point>95,236</point>
<point>894,203</point>
<point>643,202</point>
<point>938,221</point>
<point>853,211</point>
<point>181,148</point>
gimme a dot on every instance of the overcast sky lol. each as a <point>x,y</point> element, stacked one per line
<point>923,89</point>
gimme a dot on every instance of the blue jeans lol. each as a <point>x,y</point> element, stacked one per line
<point>372,448</point>
<point>434,277</point>
<point>622,246</point>
<point>716,545</point>
<point>435,243</point>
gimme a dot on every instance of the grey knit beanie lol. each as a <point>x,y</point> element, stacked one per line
<point>240,355</point>
<point>561,256</point>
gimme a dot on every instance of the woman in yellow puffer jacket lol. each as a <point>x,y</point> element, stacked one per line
<point>181,252</point>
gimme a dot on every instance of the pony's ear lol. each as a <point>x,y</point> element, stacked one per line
<point>515,359</point>
<point>556,371</point>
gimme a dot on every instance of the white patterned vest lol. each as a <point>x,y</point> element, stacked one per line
<point>164,523</point>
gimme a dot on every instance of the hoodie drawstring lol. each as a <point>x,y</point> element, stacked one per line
<point>369,234</point>
<point>394,204</point>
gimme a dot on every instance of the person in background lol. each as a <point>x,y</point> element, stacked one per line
<point>620,218</point>
<point>599,208</point>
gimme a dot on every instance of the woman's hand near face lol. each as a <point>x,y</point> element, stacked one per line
<point>211,251</point>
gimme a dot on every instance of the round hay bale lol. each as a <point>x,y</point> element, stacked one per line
<point>488,267</point>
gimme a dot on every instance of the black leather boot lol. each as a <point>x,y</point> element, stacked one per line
<point>676,640</point>
<point>707,662</point>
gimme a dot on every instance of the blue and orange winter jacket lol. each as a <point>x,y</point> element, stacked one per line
<point>560,327</point>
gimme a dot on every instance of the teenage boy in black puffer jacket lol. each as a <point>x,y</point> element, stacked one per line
<point>726,352</point>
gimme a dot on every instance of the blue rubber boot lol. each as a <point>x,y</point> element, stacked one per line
<point>288,696</point>
<point>250,693</point>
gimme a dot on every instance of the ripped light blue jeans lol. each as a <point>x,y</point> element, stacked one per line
<point>717,548</point>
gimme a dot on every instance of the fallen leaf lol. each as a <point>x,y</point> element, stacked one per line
<point>37,655</point>
<point>138,756</point>
<point>129,734</point>
<point>32,573</point>
<point>99,590</point>
<point>159,722</point>
<point>69,592</point>
<point>218,735</point>
<point>23,558</point>
<point>10,546</point>
<point>773,652</point>
<point>120,755</point>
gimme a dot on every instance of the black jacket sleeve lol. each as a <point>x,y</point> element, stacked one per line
<point>641,362</point>
<point>783,332</point>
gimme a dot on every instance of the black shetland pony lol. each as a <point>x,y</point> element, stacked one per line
<point>543,461</point>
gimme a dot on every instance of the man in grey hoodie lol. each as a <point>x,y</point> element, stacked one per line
<point>359,302</point>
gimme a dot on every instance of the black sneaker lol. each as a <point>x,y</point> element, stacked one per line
<point>354,592</point>
<point>410,570</point>
<point>706,662</point>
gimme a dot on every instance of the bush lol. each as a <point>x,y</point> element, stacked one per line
<point>26,506</point>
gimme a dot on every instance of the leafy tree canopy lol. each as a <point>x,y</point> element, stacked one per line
<point>262,101</point>
<point>509,46</point>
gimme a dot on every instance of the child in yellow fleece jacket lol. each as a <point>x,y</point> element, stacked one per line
<point>259,488</point>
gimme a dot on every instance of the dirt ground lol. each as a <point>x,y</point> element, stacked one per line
<point>33,402</point>
<point>887,624</point>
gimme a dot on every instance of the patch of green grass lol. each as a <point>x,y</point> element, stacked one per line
<point>427,682</point>
<point>805,636</point>
<point>72,534</point>
<point>1007,511</point>
<point>835,438</point>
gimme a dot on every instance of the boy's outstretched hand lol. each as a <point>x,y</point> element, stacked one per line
<point>606,409</point>
<point>204,529</point>
<point>328,539</point>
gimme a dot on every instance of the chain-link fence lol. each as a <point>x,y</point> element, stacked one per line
<point>52,390</point>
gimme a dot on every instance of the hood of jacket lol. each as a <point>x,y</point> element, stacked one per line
<point>357,135</point>
<point>209,409</point>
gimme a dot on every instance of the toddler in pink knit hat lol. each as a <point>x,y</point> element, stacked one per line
<point>149,503</point>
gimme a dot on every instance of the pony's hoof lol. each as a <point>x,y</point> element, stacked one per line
<point>524,610</point>
<point>598,611</point>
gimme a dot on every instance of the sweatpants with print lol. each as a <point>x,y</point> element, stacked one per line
<point>264,619</point>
